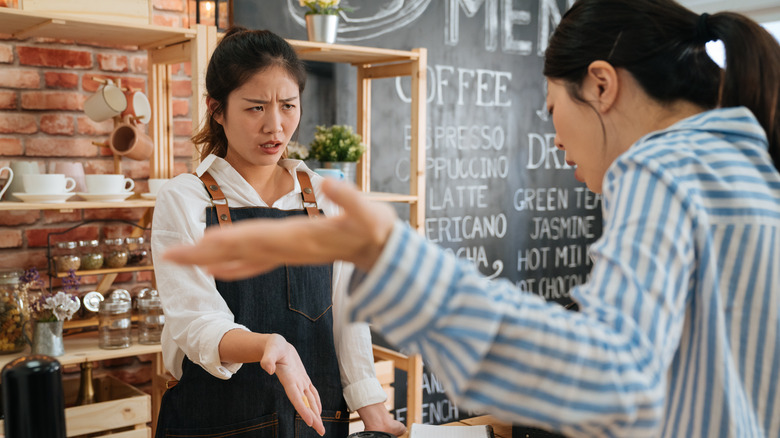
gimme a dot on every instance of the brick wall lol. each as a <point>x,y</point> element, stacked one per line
<point>43,86</point>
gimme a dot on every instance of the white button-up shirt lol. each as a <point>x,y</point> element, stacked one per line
<point>196,316</point>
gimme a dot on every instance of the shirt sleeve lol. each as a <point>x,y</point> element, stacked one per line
<point>599,371</point>
<point>196,316</point>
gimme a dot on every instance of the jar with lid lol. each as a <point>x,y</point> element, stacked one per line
<point>12,338</point>
<point>150,316</point>
<point>114,253</point>
<point>91,255</point>
<point>114,321</point>
<point>66,257</point>
<point>138,251</point>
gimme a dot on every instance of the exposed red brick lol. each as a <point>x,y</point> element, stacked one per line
<point>53,100</point>
<point>7,100</point>
<point>181,107</point>
<point>139,64</point>
<point>88,126</point>
<point>128,214</point>
<point>44,57</point>
<point>55,79</point>
<point>187,68</point>
<point>136,84</point>
<point>182,127</point>
<point>179,167</point>
<point>10,238</point>
<point>10,146</point>
<point>112,62</point>
<point>6,54</point>
<point>17,123</point>
<point>19,217</point>
<point>60,147</point>
<point>169,5</point>
<point>181,88</point>
<point>183,149</point>
<point>38,237</point>
<point>99,166</point>
<point>166,20</point>
<point>57,124</point>
<point>56,216</point>
<point>144,276</point>
<point>24,258</point>
<point>19,78</point>
<point>90,84</point>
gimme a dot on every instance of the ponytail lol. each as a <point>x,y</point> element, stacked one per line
<point>752,75</point>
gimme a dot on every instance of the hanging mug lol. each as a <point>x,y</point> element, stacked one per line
<point>129,140</point>
<point>138,106</point>
<point>8,182</point>
<point>109,101</point>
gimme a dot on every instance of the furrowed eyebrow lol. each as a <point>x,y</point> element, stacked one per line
<point>265,102</point>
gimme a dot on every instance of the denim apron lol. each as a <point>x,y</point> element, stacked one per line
<point>292,301</point>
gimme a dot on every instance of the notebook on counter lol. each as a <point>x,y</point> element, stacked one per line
<point>434,431</point>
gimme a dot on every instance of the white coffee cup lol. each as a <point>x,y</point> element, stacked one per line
<point>8,182</point>
<point>114,183</point>
<point>155,184</point>
<point>109,101</point>
<point>48,183</point>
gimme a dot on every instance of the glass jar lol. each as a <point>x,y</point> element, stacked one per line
<point>11,312</point>
<point>91,255</point>
<point>66,257</point>
<point>114,253</point>
<point>114,321</point>
<point>138,251</point>
<point>151,317</point>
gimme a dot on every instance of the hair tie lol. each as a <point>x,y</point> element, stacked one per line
<point>703,34</point>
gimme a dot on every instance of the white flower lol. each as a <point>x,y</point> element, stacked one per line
<point>62,305</point>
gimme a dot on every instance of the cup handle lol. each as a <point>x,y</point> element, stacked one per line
<point>70,184</point>
<point>131,186</point>
<point>7,183</point>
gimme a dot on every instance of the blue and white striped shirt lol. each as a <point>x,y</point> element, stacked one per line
<point>677,334</point>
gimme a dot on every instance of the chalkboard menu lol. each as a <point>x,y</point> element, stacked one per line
<point>499,193</point>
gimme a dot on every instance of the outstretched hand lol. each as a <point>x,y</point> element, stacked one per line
<point>254,246</point>
<point>281,358</point>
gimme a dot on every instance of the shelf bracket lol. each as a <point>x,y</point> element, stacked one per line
<point>32,30</point>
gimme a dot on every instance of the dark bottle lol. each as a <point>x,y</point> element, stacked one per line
<point>33,398</point>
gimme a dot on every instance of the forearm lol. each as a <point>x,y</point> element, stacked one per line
<point>241,346</point>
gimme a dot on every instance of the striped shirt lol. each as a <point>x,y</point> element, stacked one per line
<point>677,333</point>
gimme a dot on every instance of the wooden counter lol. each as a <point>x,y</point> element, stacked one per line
<point>500,428</point>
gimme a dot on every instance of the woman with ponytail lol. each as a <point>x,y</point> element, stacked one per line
<point>678,328</point>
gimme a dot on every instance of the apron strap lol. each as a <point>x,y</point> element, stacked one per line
<point>218,199</point>
<point>307,193</point>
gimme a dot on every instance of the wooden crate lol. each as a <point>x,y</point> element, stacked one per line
<point>121,410</point>
<point>118,11</point>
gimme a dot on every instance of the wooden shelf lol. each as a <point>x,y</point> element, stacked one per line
<point>356,55</point>
<point>24,24</point>
<point>108,271</point>
<point>84,348</point>
<point>74,205</point>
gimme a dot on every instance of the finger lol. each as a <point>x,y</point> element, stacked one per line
<point>300,403</point>
<point>316,397</point>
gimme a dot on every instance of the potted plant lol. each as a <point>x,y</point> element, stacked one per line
<point>322,19</point>
<point>337,147</point>
<point>48,311</point>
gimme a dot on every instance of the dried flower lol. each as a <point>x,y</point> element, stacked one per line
<point>323,7</point>
<point>337,143</point>
<point>60,306</point>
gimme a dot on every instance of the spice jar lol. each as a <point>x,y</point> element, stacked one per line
<point>151,317</point>
<point>66,257</point>
<point>138,251</point>
<point>11,312</point>
<point>91,255</point>
<point>114,253</point>
<point>114,321</point>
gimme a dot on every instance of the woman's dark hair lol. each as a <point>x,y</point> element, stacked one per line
<point>662,44</point>
<point>239,55</point>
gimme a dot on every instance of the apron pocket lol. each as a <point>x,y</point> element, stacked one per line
<point>266,426</point>
<point>336,425</point>
<point>309,290</point>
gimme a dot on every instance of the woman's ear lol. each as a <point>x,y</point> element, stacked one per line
<point>215,110</point>
<point>601,85</point>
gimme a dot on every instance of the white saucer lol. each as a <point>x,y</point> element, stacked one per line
<point>44,198</point>
<point>149,195</point>
<point>105,197</point>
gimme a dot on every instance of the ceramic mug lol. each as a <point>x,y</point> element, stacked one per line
<point>7,183</point>
<point>20,167</point>
<point>114,183</point>
<point>155,184</point>
<point>130,141</point>
<point>331,173</point>
<point>48,183</point>
<point>138,106</point>
<point>74,170</point>
<point>109,101</point>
